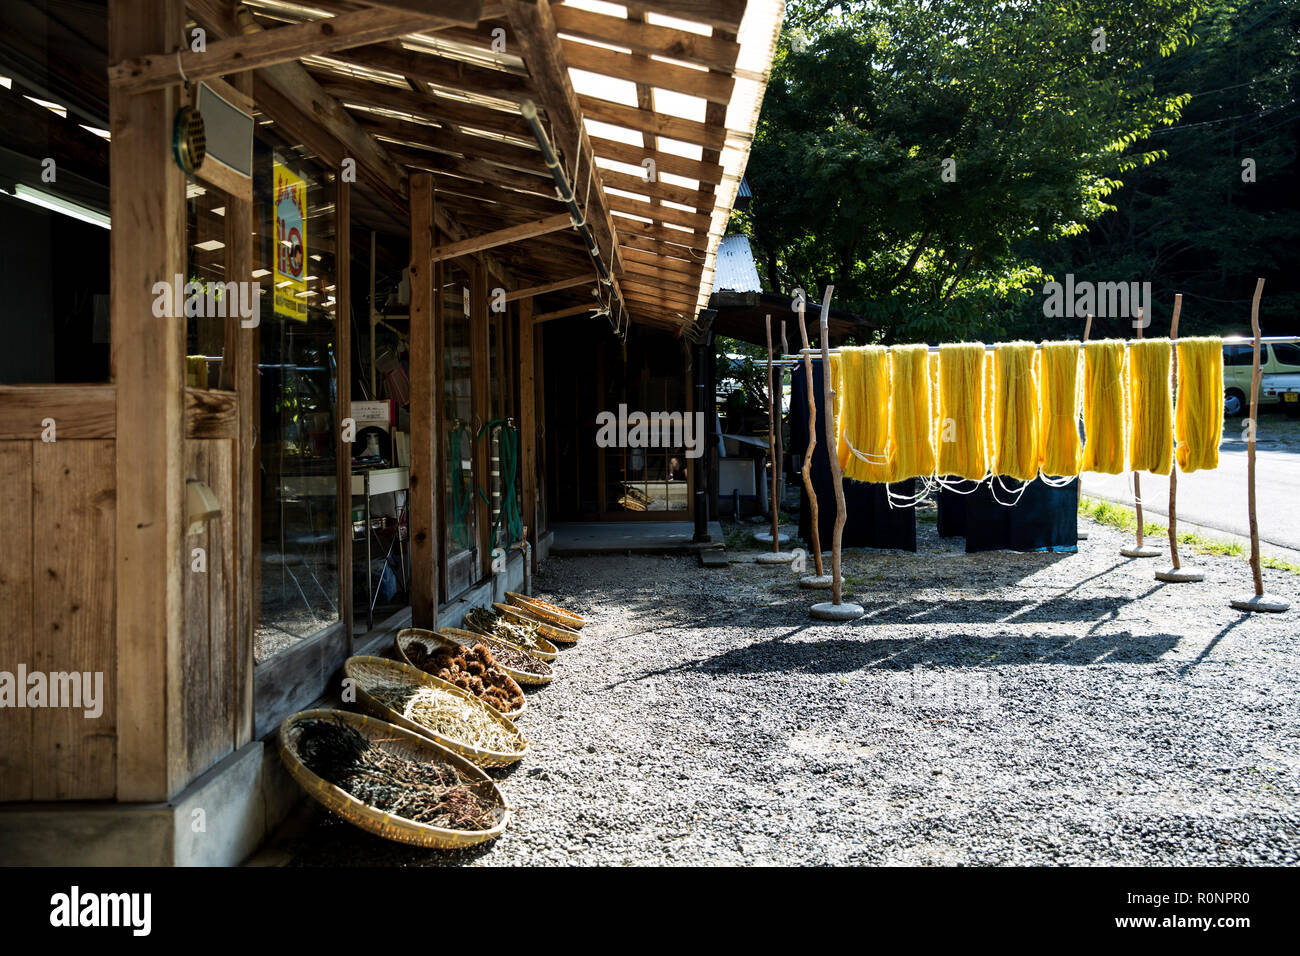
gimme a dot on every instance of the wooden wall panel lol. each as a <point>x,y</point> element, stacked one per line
<point>73,619</point>
<point>209,655</point>
<point>16,648</point>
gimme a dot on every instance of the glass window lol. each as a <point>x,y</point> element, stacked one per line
<point>460,540</point>
<point>1238,355</point>
<point>1287,355</point>
<point>297,382</point>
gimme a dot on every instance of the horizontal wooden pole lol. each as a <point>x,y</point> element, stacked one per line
<point>562,313</point>
<point>503,237</point>
<point>648,121</point>
<point>714,87</point>
<point>268,47</point>
<point>550,287</point>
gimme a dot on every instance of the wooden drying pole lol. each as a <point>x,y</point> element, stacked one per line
<point>836,609</point>
<point>1140,550</point>
<point>1176,574</point>
<point>1259,601</point>
<point>821,579</point>
<point>776,555</point>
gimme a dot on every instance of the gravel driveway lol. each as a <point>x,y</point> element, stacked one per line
<point>996,708</point>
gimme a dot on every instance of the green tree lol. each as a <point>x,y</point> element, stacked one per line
<point>1036,104</point>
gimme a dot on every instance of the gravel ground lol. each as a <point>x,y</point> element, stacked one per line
<point>989,709</point>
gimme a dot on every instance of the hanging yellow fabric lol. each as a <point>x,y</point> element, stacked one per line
<point>1015,412</point>
<point>1199,416</point>
<point>911,421</point>
<point>1103,406</point>
<point>961,439</point>
<point>864,404</point>
<point>837,393</point>
<point>1058,384</point>
<point>1150,406</point>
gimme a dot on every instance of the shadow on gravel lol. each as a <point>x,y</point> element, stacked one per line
<point>840,656</point>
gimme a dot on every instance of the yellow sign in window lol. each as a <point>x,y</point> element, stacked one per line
<point>290,244</point>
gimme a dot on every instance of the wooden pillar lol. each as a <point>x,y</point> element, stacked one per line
<point>424,460</point>
<point>147,244</point>
<point>528,424</point>
<point>241,355</point>
<point>480,400</point>
<point>343,343</point>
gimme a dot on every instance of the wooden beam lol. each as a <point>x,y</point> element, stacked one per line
<point>535,33</point>
<point>458,12</point>
<point>634,227</point>
<point>700,199</point>
<point>501,237</point>
<point>480,404</point>
<point>429,106</point>
<point>527,419</point>
<point>652,249</point>
<point>714,87</point>
<point>343,344</point>
<point>647,39</point>
<point>659,285</point>
<point>633,155</point>
<point>666,257</point>
<point>78,411</point>
<point>427,66</point>
<point>424,459</point>
<point>724,14</point>
<point>661,124</point>
<point>527,294</point>
<point>268,47</point>
<point>562,313</point>
<point>147,246</point>
<point>242,357</point>
<point>659,213</point>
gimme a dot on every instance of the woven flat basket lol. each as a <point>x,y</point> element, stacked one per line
<point>402,743</point>
<point>546,612</point>
<point>552,632</point>
<point>370,671</point>
<point>546,651</point>
<point>437,641</point>
<point>540,674</point>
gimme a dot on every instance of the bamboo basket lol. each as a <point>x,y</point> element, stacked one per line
<point>402,743</point>
<point>470,638</point>
<point>546,652</point>
<point>546,612</point>
<point>552,632</point>
<point>405,637</point>
<point>367,671</point>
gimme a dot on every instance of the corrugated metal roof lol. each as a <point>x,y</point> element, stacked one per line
<point>735,271</point>
<point>744,192</point>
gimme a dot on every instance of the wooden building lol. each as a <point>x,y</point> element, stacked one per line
<point>473,224</point>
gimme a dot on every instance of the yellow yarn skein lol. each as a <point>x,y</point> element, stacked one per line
<point>911,422</point>
<point>1199,415</point>
<point>1150,406</point>
<point>1015,411</point>
<point>837,395</point>
<point>1103,406</point>
<point>961,440</point>
<point>1058,384</point>
<point>865,428</point>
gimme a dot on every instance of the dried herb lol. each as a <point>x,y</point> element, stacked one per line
<point>470,668</point>
<point>423,791</point>
<point>449,715</point>
<point>527,635</point>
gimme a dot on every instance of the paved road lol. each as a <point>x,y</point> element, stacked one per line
<point>1217,499</point>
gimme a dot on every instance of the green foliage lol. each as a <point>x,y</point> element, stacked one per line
<point>848,161</point>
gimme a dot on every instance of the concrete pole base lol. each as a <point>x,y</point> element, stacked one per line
<point>1136,552</point>
<point>774,557</point>
<point>817,582</point>
<point>1257,603</point>
<point>1179,575</point>
<point>837,612</point>
<point>765,537</point>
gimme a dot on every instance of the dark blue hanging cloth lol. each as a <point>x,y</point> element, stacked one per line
<point>870,522</point>
<point>1044,519</point>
